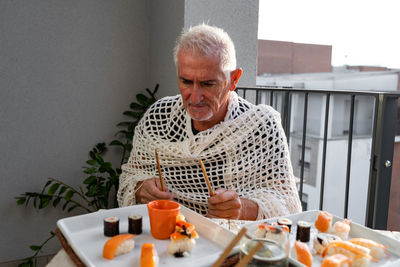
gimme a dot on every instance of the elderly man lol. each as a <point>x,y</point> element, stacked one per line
<point>243,146</point>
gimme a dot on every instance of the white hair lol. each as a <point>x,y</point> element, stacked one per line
<point>205,40</point>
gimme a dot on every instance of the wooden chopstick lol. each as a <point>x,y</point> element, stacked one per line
<point>159,170</point>
<point>230,247</point>
<point>248,257</point>
<point>206,177</point>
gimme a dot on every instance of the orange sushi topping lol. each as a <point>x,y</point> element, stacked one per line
<point>113,243</point>
<point>273,228</point>
<point>303,253</point>
<point>148,256</point>
<point>176,236</point>
<point>323,221</point>
<point>182,225</point>
<point>335,260</point>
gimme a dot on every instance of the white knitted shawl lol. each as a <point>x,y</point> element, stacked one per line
<point>247,152</point>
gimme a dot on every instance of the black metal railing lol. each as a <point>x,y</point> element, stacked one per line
<point>382,141</point>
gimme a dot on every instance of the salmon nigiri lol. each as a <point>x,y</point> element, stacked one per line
<point>148,256</point>
<point>324,221</point>
<point>336,260</point>
<point>302,253</point>
<point>117,245</point>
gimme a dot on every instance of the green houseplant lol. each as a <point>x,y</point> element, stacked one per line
<point>98,190</point>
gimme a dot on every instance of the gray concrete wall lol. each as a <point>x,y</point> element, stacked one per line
<point>166,23</point>
<point>239,19</point>
<point>67,71</point>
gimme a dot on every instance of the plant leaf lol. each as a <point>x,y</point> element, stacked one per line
<point>90,170</point>
<point>53,189</point>
<point>56,201</point>
<point>116,143</point>
<point>20,200</point>
<point>91,162</point>
<point>35,248</point>
<point>90,180</point>
<point>62,190</point>
<point>69,195</point>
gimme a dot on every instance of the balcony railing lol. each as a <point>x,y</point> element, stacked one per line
<point>379,135</point>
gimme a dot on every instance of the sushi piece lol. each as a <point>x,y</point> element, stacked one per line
<point>303,231</point>
<point>148,256</point>
<point>181,243</point>
<point>180,217</point>
<point>135,224</point>
<point>111,226</point>
<point>285,222</point>
<point>322,240</point>
<point>358,255</point>
<point>183,239</point>
<point>118,245</point>
<point>337,260</point>
<point>301,253</point>
<point>184,226</point>
<point>277,233</point>
<point>342,228</point>
<point>323,222</point>
<point>377,250</point>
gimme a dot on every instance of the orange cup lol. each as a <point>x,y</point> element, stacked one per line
<point>162,214</point>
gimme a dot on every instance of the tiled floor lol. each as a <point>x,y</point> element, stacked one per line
<point>42,261</point>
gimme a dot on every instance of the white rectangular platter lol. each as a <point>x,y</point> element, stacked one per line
<point>84,234</point>
<point>356,230</point>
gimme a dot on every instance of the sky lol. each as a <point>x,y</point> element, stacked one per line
<point>361,32</point>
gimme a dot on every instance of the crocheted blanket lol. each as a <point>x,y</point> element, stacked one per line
<point>247,152</point>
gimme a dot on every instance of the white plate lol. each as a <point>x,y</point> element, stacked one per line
<point>356,230</point>
<point>84,234</point>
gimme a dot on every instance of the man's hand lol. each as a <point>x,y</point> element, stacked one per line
<point>227,204</point>
<point>151,190</point>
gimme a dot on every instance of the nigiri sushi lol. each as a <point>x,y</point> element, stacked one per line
<point>322,240</point>
<point>337,260</point>
<point>342,228</point>
<point>323,222</point>
<point>118,245</point>
<point>271,231</point>
<point>148,256</point>
<point>301,253</point>
<point>358,255</point>
<point>183,239</point>
<point>377,249</point>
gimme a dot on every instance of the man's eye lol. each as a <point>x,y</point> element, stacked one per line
<point>186,82</point>
<point>207,84</point>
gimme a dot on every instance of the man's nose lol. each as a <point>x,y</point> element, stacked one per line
<point>197,94</point>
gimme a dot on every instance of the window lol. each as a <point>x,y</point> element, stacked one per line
<point>307,157</point>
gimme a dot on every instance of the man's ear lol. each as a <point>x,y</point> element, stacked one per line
<point>235,75</point>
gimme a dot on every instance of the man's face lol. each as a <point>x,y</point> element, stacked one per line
<point>204,87</point>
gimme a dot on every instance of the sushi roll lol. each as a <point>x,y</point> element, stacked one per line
<point>303,231</point>
<point>377,250</point>
<point>148,256</point>
<point>342,228</point>
<point>182,240</point>
<point>337,260</point>
<point>118,245</point>
<point>111,226</point>
<point>285,222</point>
<point>301,253</point>
<point>135,224</point>
<point>322,240</point>
<point>323,222</point>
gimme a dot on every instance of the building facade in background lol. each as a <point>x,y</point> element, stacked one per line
<point>292,65</point>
